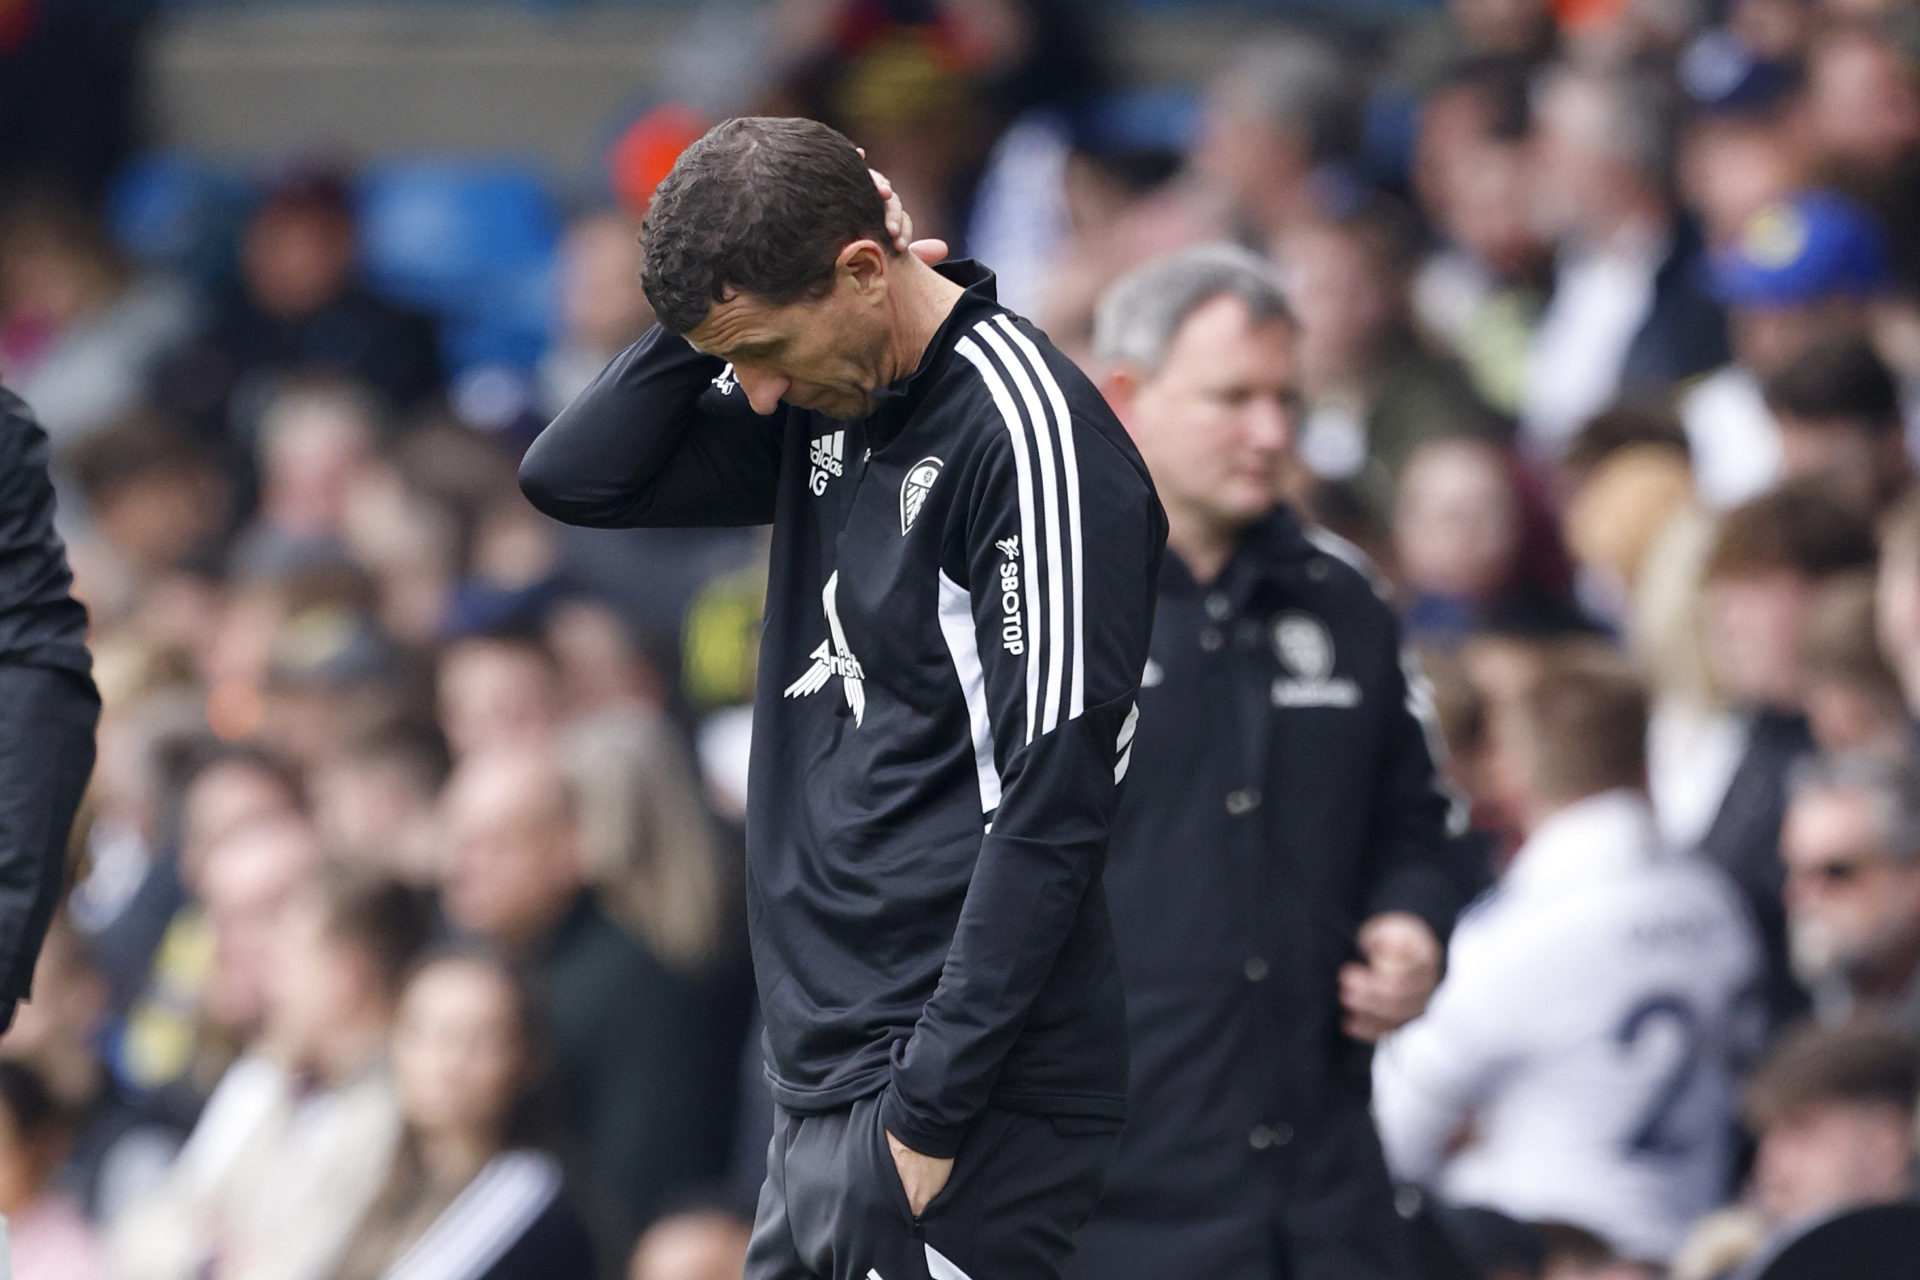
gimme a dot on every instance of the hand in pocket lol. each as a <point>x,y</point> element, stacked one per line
<point>924,1177</point>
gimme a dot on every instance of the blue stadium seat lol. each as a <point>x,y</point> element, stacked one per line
<point>472,241</point>
<point>179,211</point>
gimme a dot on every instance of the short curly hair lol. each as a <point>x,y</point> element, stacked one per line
<point>760,205</point>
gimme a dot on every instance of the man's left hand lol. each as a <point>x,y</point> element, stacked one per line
<point>924,1177</point>
<point>1390,984</point>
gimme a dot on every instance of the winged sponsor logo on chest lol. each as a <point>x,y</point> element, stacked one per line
<point>1305,651</point>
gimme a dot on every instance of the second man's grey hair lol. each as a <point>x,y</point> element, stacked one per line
<point>1891,785</point>
<point>1139,316</point>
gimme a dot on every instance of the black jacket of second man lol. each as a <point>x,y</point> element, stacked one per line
<point>1284,791</point>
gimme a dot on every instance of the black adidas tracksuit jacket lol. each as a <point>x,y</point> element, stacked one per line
<point>961,595</point>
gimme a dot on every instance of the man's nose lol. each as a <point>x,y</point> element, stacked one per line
<point>763,389</point>
<point>1270,425</point>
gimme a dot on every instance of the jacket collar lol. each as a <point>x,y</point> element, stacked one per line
<point>1590,840</point>
<point>897,401</point>
<point>1271,550</point>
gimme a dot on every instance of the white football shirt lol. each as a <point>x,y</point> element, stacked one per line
<point>1577,1064</point>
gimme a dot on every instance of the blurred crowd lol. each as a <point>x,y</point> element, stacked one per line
<point>406,909</point>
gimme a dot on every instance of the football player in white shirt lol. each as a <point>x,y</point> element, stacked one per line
<point>1577,1063</point>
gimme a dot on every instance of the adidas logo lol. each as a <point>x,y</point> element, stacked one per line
<point>827,454</point>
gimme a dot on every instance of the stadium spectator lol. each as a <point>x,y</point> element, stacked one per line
<point>121,1142</point>
<point>1851,844</point>
<point>297,308</point>
<point>1838,410</point>
<point>1853,698</point>
<point>1274,119</point>
<point>1862,117</point>
<point>693,1244</point>
<point>1480,296</point>
<point>497,692</point>
<point>1375,392</point>
<point>470,1179</point>
<point>1768,560</point>
<point>1629,315</point>
<point>1587,1031</point>
<point>374,803</point>
<point>1833,1112</point>
<point>153,497</point>
<point>1459,540</point>
<point>1248,1151</point>
<point>626,1055</point>
<point>602,308</point>
<point>316,440</point>
<point>81,332</point>
<point>1802,270</point>
<point>48,1238</point>
<point>289,1152</point>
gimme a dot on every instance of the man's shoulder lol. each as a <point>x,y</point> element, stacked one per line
<point>1024,401</point>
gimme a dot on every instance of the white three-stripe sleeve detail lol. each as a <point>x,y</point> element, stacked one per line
<point>1056,592</point>
<point>941,1267</point>
<point>1070,464</point>
<point>963,642</point>
<point>1124,743</point>
<point>1003,400</point>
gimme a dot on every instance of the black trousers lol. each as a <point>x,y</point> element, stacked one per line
<point>833,1207</point>
<point>47,718</point>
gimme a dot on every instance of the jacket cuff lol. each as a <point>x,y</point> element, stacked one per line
<point>940,1141</point>
<point>1423,891</point>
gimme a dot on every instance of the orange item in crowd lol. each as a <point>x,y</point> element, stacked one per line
<point>644,153</point>
<point>1573,14</point>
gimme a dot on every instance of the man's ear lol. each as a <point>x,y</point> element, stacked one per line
<point>1120,383</point>
<point>864,262</point>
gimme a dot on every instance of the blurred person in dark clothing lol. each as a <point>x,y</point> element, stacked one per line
<point>1767,561</point>
<point>297,307</point>
<point>121,1143</point>
<point>470,1179</point>
<point>696,1243</point>
<point>1375,391</point>
<point>627,1054</point>
<point>1276,912</point>
<point>1851,845</point>
<point>1838,409</point>
<point>48,704</point>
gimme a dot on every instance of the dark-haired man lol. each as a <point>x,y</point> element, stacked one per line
<point>1838,409</point>
<point>964,555</point>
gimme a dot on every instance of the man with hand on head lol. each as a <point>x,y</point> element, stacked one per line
<point>1281,876</point>
<point>965,547</point>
